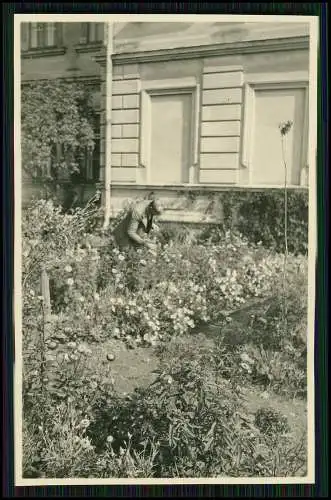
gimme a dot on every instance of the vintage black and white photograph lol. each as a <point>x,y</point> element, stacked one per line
<point>165,248</point>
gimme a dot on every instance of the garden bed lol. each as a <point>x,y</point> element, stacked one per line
<point>190,363</point>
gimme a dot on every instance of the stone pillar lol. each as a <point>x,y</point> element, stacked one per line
<point>222,98</point>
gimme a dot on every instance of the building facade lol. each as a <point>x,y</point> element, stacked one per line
<point>195,107</point>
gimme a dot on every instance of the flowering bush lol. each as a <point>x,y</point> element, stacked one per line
<point>99,292</point>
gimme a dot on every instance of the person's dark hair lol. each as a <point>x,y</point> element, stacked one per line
<point>151,196</point>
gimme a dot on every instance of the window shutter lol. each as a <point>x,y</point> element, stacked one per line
<point>84,33</point>
<point>25,36</point>
<point>50,34</point>
<point>41,32</point>
<point>58,34</point>
<point>91,32</point>
<point>99,32</point>
<point>33,38</point>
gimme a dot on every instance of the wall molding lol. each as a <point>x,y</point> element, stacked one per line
<point>89,79</point>
<point>203,187</point>
<point>84,48</point>
<point>290,78</point>
<point>44,52</point>
<point>219,49</point>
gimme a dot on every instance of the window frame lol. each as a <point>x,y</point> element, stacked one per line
<point>43,27</point>
<point>85,37</point>
<point>160,87</point>
<point>281,81</point>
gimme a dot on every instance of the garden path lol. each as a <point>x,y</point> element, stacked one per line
<point>133,368</point>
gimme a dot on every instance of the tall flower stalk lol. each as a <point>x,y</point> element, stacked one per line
<point>284,130</point>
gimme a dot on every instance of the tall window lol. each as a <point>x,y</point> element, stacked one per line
<point>43,35</point>
<point>92,32</point>
<point>268,104</point>
<point>273,106</point>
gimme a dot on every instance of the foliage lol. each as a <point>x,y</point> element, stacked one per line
<point>191,421</point>
<point>259,216</point>
<point>55,114</point>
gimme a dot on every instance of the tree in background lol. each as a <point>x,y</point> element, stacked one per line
<point>57,130</point>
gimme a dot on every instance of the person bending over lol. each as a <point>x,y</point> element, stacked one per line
<point>138,222</point>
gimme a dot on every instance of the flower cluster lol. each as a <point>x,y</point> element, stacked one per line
<point>137,296</point>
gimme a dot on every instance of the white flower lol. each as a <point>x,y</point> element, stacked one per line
<point>85,423</point>
<point>70,281</point>
<point>246,367</point>
<point>121,257</point>
<point>110,439</point>
<point>114,271</point>
<point>68,269</point>
<point>143,262</point>
<point>81,298</point>
<point>86,443</point>
<point>246,359</point>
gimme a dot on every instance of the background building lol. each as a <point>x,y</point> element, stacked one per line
<point>195,106</point>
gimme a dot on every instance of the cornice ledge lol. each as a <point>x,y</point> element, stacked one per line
<point>101,58</point>
<point>89,79</point>
<point>219,49</point>
<point>89,47</point>
<point>201,187</point>
<point>44,52</point>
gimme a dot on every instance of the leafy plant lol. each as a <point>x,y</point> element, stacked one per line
<point>191,421</point>
<point>57,128</point>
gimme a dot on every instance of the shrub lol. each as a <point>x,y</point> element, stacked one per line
<point>259,216</point>
<point>191,421</point>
